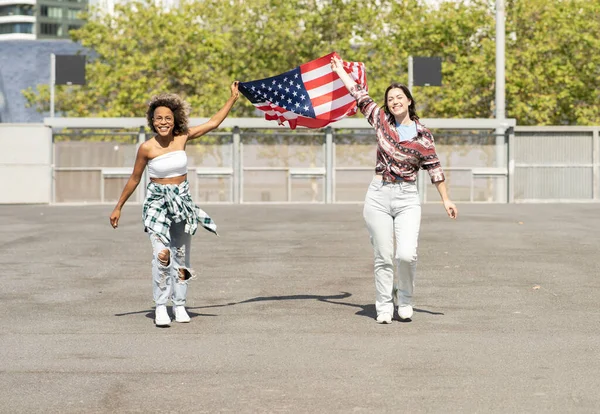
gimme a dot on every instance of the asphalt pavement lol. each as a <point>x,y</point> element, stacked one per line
<point>507,316</point>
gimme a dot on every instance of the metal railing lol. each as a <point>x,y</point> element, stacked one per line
<point>555,164</point>
<point>343,157</point>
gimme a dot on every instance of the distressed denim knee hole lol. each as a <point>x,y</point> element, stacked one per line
<point>185,274</point>
<point>164,257</point>
<point>162,263</point>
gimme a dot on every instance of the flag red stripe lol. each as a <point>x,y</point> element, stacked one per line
<point>317,63</point>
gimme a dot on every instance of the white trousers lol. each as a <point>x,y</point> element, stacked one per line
<point>392,212</point>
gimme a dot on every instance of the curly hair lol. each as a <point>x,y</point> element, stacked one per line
<point>180,108</point>
<point>412,112</point>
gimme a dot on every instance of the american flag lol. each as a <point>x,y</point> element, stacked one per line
<point>311,95</point>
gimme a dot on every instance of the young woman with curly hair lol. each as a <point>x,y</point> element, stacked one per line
<point>170,216</point>
<point>392,209</point>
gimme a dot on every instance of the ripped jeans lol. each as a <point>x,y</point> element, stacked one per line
<point>170,280</point>
<point>392,212</point>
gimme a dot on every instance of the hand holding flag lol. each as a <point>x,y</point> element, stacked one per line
<point>311,95</point>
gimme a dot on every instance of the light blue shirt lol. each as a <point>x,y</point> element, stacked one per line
<point>407,132</point>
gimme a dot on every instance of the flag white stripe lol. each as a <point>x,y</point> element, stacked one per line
<point>355,74</point>
<point>316,73</point>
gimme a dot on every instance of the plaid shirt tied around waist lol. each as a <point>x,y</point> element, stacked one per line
<point>166,203</point>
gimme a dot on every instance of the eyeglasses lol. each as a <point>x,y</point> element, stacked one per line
<point>167,119</point>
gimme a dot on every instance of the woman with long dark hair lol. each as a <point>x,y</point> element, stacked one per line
<point>392,209</point>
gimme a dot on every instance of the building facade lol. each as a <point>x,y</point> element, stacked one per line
<point>25,64</point>
<point>40,19</point>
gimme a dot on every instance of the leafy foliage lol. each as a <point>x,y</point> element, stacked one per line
<point>198,48</point>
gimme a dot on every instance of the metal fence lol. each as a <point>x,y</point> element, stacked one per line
<point>249,161</point>
<point>556,164</point>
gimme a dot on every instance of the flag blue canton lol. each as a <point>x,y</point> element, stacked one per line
<point>286,91</point>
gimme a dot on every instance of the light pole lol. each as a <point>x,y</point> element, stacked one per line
<point>501,160</point>
<point>52,82</point>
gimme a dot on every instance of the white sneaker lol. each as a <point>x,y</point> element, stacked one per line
<point>181,315</point>
<point>405,311</point>
<point>384,318</point>
<point>161,317</point>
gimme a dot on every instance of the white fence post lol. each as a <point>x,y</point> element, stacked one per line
<point>595,164</point>
<point>510,164</point>
<point>329,165</point>
<point>237,168</point>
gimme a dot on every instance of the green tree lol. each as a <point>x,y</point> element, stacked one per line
<point>198,48</point>
<point>143,49</point>
<point>553,62</point>
<point>462,33</point>
<point>195,50</point>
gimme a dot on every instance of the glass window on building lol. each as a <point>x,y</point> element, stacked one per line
<point>73,14</point>
<point>6,28</point>
<point>51,29</point>
<point>16,10</point>
<point>50,11</point>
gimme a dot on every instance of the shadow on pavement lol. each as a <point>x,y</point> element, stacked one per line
<point>365,310</point>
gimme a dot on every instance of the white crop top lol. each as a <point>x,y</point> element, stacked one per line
<point>171,164</point>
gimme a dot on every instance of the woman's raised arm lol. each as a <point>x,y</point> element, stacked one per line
<point>216,119</point>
